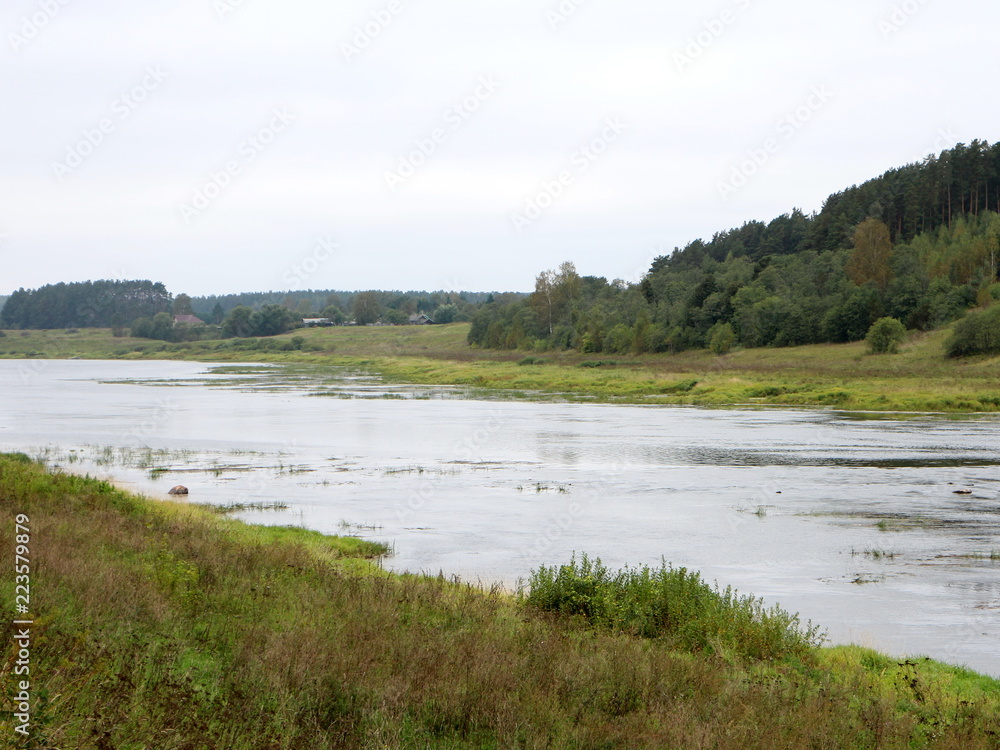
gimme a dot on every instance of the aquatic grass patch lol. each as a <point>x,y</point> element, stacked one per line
<point>259,507</point>
<point>682,386</point>
<point>673,604</point>
<point>351,526</point>
<point>875,554</point>
<point>992,555</point>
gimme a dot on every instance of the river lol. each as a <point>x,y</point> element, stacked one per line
<point>851,520</point>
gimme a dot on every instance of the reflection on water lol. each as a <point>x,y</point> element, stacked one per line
<point>848,519</point>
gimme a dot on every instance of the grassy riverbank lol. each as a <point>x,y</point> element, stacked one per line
<point>163,625</point>
<point>844,376</point>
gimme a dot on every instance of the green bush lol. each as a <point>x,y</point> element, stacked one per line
<point>721,338</point>
<point>673,604</point>
<point>977,333</point>
<point>885,336</point>
<point>618,340</point>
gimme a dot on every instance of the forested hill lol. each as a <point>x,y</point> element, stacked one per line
<point>920,244</point>
<point>84,304</point>
<point>909,200</point>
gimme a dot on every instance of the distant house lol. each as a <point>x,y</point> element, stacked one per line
<point>420,320</point>
<point>191,320</point>
<point>311,322</point>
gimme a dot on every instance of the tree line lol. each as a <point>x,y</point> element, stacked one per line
<point>147,309</point>
<point>918,244</point>
<point>363,307</point>
<point>87,304</point>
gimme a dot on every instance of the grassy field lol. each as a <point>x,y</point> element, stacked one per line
<point>844,376</point>
<point>161,625</point>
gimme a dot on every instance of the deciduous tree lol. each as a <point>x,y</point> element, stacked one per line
<point>872,254</point>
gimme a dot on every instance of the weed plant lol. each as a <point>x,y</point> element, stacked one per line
<point>672,604</point>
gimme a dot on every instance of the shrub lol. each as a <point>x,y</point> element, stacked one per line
<point>885,336</point>
<point>721,338</point>
<point>445,314</point>
<point>618,340</point>
<point>159,327</point>
<point>977,333</point>
<point>673,604</point>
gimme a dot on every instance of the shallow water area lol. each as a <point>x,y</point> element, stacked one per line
<point>850,520</point>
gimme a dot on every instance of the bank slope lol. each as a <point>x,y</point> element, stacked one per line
<point>163,625</point>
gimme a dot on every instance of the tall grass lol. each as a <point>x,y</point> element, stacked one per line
<point>673,604</point>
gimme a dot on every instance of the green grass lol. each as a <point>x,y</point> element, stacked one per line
<point>842,376</point>
<point>164,625</point>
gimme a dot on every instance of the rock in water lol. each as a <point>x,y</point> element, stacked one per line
<point>178,490</point>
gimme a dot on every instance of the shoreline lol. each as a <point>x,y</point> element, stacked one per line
<point>217,633</point>
<point>840,377</point>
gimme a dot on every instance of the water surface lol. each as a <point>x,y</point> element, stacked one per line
<point>850,520</point>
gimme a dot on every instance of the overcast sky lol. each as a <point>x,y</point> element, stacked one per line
<point>235,145</point>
